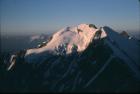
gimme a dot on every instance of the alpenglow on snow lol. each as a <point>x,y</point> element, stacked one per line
<point>65,41</point>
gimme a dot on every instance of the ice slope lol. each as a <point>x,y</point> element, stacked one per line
<point>80,36</point>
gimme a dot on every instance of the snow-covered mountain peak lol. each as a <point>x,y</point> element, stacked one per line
<point>65,41</point>
<point>103,52</point>
<point>76,39</point>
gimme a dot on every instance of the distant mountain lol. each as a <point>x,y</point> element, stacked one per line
<point>39,37</point>
<point>125,34</point>
<point>81,58</point>
<point>15,43</point>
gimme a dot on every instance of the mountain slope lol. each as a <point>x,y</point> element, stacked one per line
<point>98,61</point>
<point>64,42</point>
<point>122,48</point>
<point>129,47</point>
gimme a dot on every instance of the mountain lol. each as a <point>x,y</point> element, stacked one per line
<point>63,42</point>
<point>80,58</point>
<point>14,43</point>
<point>40,38</point>
<point>125,34</point>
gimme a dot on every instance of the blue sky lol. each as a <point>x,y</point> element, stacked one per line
<point>39,16</point>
